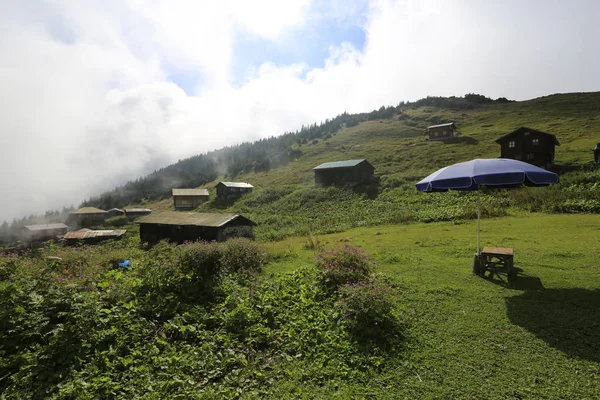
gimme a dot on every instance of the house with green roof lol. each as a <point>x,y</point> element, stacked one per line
<point>340,173</point>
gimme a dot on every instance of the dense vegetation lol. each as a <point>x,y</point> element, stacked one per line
<point>192,320</point>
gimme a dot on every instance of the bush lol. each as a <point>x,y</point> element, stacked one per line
<point>344,264</point>
<point>116,221</point>
<point>368,309</point>
<point>242,255</point>
<point>201,259</point>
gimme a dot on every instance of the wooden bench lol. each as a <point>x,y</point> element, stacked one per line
<point>497,261</point>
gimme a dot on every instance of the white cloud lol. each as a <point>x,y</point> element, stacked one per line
<point>86,102</point>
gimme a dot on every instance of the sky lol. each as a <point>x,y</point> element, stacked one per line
<point>96,93</point>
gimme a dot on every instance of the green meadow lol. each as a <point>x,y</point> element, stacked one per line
<point>346,293</point>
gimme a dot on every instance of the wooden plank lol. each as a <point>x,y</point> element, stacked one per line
<point>505,251</point>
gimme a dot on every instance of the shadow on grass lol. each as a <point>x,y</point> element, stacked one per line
<point>566,319</point>
<point>461,139</point>
<point>521,282</point>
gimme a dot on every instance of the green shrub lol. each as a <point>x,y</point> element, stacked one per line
<point>201,259</point>
<point>242,255</point>
<point>116,221</point>
<point>344,264</point>
<point>368,310</point>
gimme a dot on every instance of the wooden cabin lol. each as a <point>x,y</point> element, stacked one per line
<point>92,237</point>
<point>188,199</point>
<point>529,145</point>
<point>180,227</point>
<point>133,213</point>
<point>233,190</point>
<point>115,212</point>
<point>349,172</point>
<point>40,233</point>
<point>86,217</point>
<point>442,131</point>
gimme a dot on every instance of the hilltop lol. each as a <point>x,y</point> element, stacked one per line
<point>286,203</point>
<point>392,139</point>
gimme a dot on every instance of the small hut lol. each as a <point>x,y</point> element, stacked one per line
<point>233,190</point>
<point>40,233</point>
<point>442,131</point>
<point>191,226</point>
<point>133,213</point>
<point>92,237</point>
<point>86,217</point>
<point>529,145</point>
<point>188,199</point>
<point>115,212</point>
<point>349,172</point>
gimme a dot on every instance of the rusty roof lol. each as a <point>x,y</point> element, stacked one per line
<point>340,164</point>
<point>236,184</point>
<point>89,234</point>
<point>44,227</point>
<point>190,192</point>
<point>191,218</point>
<point>88,210</point>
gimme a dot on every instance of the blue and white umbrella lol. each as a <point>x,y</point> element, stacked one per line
<point>491,173</point>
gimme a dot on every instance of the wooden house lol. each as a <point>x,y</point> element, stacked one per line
<point>133,213</point>
<point>347,172</point>
<point>180,227</point>
<point>92,237</point>
<point>529,145</point>
<point>233,190</point>
<point>40,233</point>
<point>115,212</point>
<point>86,217</point>
<point>442,131</point>
<point>188,199</point>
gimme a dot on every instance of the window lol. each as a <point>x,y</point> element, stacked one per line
<point>535,141</point>
<point>444,133</point>
<point>511,144</point>
<point>530,156</point>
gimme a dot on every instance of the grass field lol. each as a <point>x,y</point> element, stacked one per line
<point>470,337</point>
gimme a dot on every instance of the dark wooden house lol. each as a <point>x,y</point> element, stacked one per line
<point>180,227</point>
<point>115,212</point>
<point>442,131</point>
<point>40,233</point>
<point>529,145</point>
<point>347,172</point>
<point>86,217</point>
<point>92,237</point>
<point>233,190</point>
<point>133,213</point>
<point>188,199</point>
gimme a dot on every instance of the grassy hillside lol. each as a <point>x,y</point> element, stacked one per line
<point>285,202</point>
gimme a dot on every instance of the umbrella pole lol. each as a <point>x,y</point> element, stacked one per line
<point>478,218</point>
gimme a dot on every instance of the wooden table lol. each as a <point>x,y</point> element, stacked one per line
<point>496,261</point>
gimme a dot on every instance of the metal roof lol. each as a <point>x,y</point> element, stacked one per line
<point>236,184</point>
<point>44,227</point>
<point>525,129</point>
<point>191,218</point>
<point>339,164</point>
<point>88,234</point>
<point>441,125</point>
<point>88,210</point>
<point>137,210</point>
<point>190,192</point>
